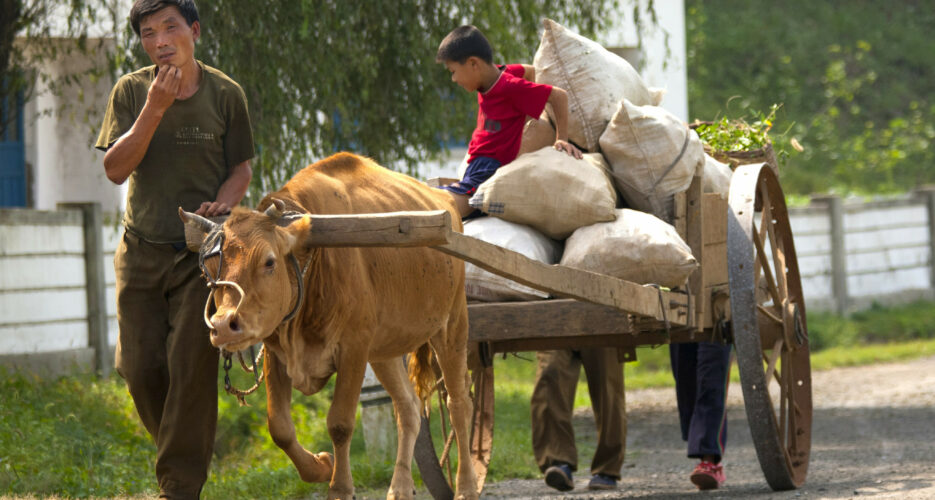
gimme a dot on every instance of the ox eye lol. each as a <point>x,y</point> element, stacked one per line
<point>270,263</point>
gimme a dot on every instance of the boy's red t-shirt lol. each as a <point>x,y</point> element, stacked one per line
<point>503,110</point>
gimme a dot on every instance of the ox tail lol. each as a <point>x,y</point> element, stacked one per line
<point>421,372</point>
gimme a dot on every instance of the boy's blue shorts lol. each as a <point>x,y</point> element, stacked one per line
<point>479,170</point>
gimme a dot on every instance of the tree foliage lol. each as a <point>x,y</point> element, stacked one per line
<point>328,75</point>
<point>854,79</point>
<point>33,32</point>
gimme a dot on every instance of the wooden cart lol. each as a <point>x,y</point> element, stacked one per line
<point>746,291</point>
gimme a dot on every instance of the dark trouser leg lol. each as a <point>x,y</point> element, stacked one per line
<point>142,317</point>
<point>684,360</point>
<point>553,398</point>
<point>605,386</point>
<point>164,354</point>
<point>703,390</point>
<point>186,436</point>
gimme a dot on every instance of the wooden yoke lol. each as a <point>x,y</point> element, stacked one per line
<point>392,229</point>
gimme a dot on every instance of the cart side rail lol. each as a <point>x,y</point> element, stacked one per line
<point>433,229</point>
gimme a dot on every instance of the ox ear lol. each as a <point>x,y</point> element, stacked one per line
<point>196,228</point>
<point>300,229</point>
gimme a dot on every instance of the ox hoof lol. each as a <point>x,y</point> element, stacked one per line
<point>394,494</point>
<point>335,495</point>
<point>318,469</point>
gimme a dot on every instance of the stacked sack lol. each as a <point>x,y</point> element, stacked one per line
<point>634,148</point>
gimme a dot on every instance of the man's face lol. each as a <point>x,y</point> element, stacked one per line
<point>167,38</point>
<point>465,74</point>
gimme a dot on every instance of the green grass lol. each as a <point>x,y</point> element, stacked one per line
<point>79,437</point>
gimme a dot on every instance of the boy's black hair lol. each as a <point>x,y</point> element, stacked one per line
<point>143,8</point>
<point>464,42</point>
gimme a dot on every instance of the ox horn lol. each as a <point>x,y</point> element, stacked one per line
<point>274,211</point>
<point>196,228</point>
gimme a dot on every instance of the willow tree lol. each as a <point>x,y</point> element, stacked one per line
<point>329,75</point>
<point>34,32</point>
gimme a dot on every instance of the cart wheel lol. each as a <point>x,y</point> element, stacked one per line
<point>768,324</point>
<point>439,474</point>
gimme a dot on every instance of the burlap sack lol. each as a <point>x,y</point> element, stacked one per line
<point>636,247</point>
<point>550,191</point>
<point>653,155</point>
<point>537,134</point>
<point>716,178</point>
<point>595,79</point>
<point>486,286</point>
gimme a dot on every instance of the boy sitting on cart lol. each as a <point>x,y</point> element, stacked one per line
<point>507,97</point>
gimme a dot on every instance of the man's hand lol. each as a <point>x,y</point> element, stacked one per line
<point>212,209</point>
<point>568,148</point>
<point>165,88</point>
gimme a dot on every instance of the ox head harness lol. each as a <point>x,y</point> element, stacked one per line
<point>212,245</point>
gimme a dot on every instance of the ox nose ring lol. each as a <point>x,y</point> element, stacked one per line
<point>214,286</point>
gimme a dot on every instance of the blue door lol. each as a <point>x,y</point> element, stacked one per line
<point>12,156</point>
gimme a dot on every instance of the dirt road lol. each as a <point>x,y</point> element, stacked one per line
<point>873,436</point>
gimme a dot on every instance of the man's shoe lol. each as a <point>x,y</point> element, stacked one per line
<point>558,476</point>
<point>602,482</point>
<point>708,476</point>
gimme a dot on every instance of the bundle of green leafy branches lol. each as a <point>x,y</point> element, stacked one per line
<point>739,141</point>
<point>737,134</point>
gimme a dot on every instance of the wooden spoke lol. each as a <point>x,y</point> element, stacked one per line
<point>766,216</point>
<point>767,272</point>
<point>771,362</point>
<point>778,255</point>
<point>766,312</point>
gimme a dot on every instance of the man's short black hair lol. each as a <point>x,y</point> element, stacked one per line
<point>143,8</point>
<point>464,42</point>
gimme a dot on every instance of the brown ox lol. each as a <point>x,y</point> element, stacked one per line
<point>360,305</point>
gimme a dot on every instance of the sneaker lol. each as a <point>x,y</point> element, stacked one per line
<point>558,476</point>
<point>708,476</point>
<point>602,482</point>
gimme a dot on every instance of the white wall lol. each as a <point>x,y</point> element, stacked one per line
<point>43,299</point>
<point>887,252</point>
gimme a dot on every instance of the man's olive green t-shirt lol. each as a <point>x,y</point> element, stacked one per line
<point>198,141</point>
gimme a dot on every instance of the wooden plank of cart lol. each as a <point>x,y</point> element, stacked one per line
<point>746,291</point>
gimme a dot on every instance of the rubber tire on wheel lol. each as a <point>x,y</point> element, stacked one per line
<point>768,325</point>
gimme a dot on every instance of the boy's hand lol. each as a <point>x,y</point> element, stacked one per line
<point>568,148</point>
